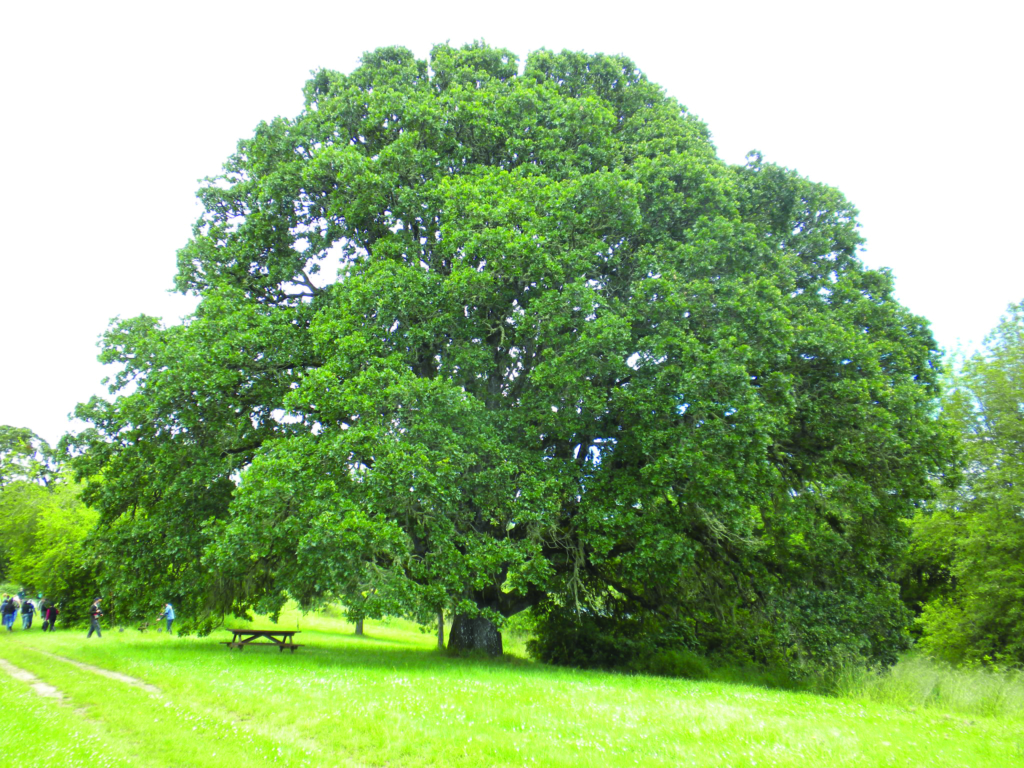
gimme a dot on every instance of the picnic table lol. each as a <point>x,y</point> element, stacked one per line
<point>282,638</point>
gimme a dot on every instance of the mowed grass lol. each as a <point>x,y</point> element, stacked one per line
<point>391,699</point>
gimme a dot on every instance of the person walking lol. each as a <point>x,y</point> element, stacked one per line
<point>50,617</point>
<point>8,609</point>
<point>94,619</point>
<point>28,610</point>
<point>169,615</point>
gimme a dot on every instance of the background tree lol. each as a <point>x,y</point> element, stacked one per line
<point>976,533</point>
<point>570,356</point>
<point>45,528</point>
<point>25,456</point>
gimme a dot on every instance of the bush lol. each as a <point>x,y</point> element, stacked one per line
<point>590,640</point>
<point>630,642</point>
<point>676,663</point>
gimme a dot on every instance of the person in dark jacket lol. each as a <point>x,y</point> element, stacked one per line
<point>51,617</point>
<point>9,609</point>
<point>94,618</point>
<point>28,610</point>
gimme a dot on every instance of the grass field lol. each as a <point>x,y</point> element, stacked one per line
<point>390,699</point>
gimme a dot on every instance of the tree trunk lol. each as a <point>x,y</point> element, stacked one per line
<point>359,627</point>
<point>477,634</point>
<point>440,630</point>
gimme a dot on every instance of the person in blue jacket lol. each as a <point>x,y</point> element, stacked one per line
<point>169,615</point>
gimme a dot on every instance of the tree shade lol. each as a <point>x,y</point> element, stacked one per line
<point>569,358</point>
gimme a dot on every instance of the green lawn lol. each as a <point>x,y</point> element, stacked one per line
<point>390,699</point>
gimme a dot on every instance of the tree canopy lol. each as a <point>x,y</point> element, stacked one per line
<point>487,337</point>
<point>25,457</point>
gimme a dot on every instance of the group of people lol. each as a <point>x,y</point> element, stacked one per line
<point>12,605</point>
<point>96,610</point>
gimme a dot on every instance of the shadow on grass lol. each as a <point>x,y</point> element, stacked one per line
<point>376,655</point>
<point>388,648</point>
<point>325,650</point>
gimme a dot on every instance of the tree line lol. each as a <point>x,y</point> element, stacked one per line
<point>482,338</point>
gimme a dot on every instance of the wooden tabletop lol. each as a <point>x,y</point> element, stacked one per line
<point>265,632</point>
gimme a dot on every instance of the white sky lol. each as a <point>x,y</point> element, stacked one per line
<point>111,112</point>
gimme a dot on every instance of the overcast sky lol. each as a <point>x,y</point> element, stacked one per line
<point>112,112</point>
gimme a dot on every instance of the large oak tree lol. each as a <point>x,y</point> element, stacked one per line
<point>476,337</point>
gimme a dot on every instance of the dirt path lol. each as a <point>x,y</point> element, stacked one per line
<point>41,688</point>
<point>128,679</point>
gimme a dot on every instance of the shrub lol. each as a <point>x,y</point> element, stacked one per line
<point>677,662</point>
<point>590,640</point>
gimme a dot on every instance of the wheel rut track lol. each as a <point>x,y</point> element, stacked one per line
<point>119,676</point>
<point>46,690</point>
<point>38,686</point>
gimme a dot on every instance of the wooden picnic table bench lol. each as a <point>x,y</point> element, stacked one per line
<point>282,638</point>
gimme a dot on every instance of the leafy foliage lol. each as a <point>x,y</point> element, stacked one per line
<point>569,353</point>
<point>976,533</point>
<point>24,456</point>
<point>47,532</point>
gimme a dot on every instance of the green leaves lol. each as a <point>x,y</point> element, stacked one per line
<point>567,350</point>
<point>47,534</point>
<point>24,456</point>
<point>974,535</point>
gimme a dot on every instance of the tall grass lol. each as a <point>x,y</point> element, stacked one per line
<point>919,682</point>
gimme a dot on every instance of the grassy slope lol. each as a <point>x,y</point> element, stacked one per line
<point>389,699</point>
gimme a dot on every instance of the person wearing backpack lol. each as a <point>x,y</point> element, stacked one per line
<point>27,612</point>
